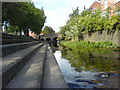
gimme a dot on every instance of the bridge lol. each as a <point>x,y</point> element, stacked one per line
<point>50,37</point>
<point>29,63</point>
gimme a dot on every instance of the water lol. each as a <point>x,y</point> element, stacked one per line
<point>89,68</point>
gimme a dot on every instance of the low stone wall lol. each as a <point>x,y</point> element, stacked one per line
<point>97,37</point>
<point>12,48</point>
<point>11,39</point>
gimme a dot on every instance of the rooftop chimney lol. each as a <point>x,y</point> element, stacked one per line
<point>84,8</point>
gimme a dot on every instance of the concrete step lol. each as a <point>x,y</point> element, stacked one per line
<point>11,48</point>
<point>12,63</point>
<point>30,75</point>
<point>10,36</point>
<point>10,39</point>
<point>52,75</point>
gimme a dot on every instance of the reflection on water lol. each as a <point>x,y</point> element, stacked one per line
<point>89,68</point>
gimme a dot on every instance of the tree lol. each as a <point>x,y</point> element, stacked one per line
<point>112,24</point>
<point>13,29</point>
<point>74,13</point>
<point>38,20</point>
<point>24,15</point>
<point>48,30</point>
<point>89,22</point>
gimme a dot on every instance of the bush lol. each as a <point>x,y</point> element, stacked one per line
<point>87,44</point>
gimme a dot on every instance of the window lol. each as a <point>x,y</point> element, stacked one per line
<point>105,4</point>
<point>118,13</point>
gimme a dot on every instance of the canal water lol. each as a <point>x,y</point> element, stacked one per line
<point>89,68</point>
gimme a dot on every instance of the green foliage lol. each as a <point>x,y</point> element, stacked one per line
<point>48,30</point>
<point>24,15</point>
<point>13,29</point>
<point>74,13</point>
<point>112,24</point>
<point>87,44</point>
<point>89,22</point>
<point>86,13</point>
<point>71,30</point>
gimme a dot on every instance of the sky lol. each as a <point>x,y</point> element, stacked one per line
<point>57,11</point>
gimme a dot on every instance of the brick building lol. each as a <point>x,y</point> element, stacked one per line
<point>106,5</point>
<point>117,5</point>
<point>96,4</point>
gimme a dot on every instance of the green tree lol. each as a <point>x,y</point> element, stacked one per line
<point>74,13</point>
<point>13,29</point>
<point>112,24</point>
<point>24,15</point>
<point>48,30</point>
<point>88,22</point>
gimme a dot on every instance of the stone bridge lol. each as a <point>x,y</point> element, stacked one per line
<point>50,37</point>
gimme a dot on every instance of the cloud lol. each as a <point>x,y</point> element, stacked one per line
<point>56,18</point>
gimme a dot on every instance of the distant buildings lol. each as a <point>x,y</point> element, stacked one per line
<point>111,7</point>
<point>95,5</point>
<point>32,34</point>
<point>117,5</point>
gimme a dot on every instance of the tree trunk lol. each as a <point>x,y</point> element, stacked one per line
<point>20,31</point>
<point>6,28</point>
<point>16,32</point>
<point>26,32</point>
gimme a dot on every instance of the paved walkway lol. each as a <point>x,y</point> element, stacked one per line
<point>31,73</point>
<point>41,71</point>
<point>53,77</point>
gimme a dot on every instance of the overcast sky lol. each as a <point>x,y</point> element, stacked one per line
<point>57,11</point>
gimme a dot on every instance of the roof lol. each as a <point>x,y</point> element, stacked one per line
<point>117,4</point>
<point>95,5</point>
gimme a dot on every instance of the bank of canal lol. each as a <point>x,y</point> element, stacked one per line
<point>89,68</point>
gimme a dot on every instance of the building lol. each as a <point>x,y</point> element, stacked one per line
<point>107,6</point>
<point>95,5</point>
<point>32,34</point>
<point>117,5</point>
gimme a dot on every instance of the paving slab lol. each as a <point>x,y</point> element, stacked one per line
<point>16,56</point>
<point>11,64</point>
<point>52,76</point>
<point>31,74</point>
<point>12,48</point>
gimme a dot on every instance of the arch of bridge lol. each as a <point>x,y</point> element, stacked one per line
<point>51,36</point>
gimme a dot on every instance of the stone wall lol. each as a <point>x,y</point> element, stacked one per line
<point>97,37</point>
<point>11,39</point>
